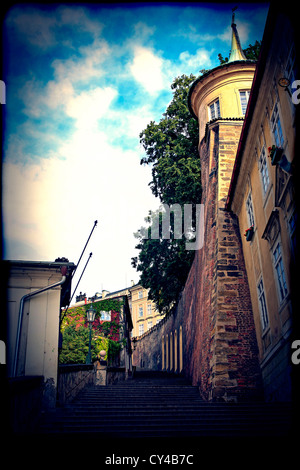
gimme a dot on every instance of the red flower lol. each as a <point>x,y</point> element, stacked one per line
<point>247,230</point>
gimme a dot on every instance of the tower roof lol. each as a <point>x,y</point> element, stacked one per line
<point>237,62</point>
<point>236,52</point>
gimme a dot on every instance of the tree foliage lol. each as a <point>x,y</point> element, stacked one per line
<point>251,53</point>
<point>171,148</point>
<point>105,334</point>
<point>164,265</point>
<point>75,345</point>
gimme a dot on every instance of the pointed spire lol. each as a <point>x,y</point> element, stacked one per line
<point>236,52</point>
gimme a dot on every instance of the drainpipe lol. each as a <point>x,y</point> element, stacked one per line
<point>21,308</point>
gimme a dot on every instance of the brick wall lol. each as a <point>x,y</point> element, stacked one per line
<point>229,135</point>
<point>236,367</point>
<point>220,353</point>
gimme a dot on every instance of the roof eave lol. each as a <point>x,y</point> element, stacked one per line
<point>206,74</point>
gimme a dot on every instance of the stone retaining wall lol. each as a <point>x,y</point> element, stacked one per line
<point>72,379</point>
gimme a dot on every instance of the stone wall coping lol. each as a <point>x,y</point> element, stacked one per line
<point>66,368</point>
<point>23,383</point>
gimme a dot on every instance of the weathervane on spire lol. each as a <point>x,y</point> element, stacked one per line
<point>236,52</point>
<point>233,15</point>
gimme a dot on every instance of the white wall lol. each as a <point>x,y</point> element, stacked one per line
<point>38,353</point>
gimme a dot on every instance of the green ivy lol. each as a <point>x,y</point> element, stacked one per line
<point>76,335</point>
<point>103,345</point>
<point>109,328</point>
<point>75,316</point>
<point>105,305</point>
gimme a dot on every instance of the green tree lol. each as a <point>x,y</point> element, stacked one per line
<point>251,53</point>
<point>105,334</point>
<point>171,148</point>
<point>164,265</point>
<point>75,345</point>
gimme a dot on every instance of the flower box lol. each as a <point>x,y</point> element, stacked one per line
<point>249,233</point>
<point>275,153</point>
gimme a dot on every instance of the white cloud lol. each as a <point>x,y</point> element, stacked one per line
<point>55,94</point>
<point>243,30</point>
<point>78,18</point>
<point>226,35</point>
<point>36,27</point>
<point>40,28</point>
<point>142,32</point>
<point>84,67</point>
<point>198,60</point>
<point>51,207</point>
<point>146,68</point>
<point>89,106</point>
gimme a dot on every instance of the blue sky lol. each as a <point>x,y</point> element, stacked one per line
<point>82,82</point>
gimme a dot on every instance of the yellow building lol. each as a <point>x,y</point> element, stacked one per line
<point>261,195</point>
<point>144,314</point>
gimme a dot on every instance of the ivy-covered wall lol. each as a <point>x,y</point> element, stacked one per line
<point>105,334</point>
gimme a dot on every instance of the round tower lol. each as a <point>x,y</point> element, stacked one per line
<point>225,84</point>
<point>218,100</point>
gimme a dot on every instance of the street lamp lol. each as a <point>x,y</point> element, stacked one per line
<point>90,315</point>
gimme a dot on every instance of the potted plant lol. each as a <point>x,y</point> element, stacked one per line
<point>249,233</point>
<point>275,154</point>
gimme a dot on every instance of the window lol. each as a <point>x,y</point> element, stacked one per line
<point>105,316</point>
<point>214,109</point>
<point>141,312</point>
<point>276,127</point>
<point>141,329</point>
<point>291,67</point>
<point>149,325</point>
<point>244,97</point>
<point>292,229</point>
<point>263,168</point>
<point>262,305</point>
<point>149,309</point>
<point>140,294</point>
<point>278,264</point>
<point>249,208</point>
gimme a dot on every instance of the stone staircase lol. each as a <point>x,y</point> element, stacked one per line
<point>156,404</point>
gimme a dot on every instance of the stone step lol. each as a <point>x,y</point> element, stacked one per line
<point>159,405</point>
<point>167,429</point>
<point>166,420</point>
<point>137,399</point>
<point>140,391</point>
<point>176,409</point>
<point>169,407</point>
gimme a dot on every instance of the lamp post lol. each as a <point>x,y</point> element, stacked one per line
<point>90,314</point>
